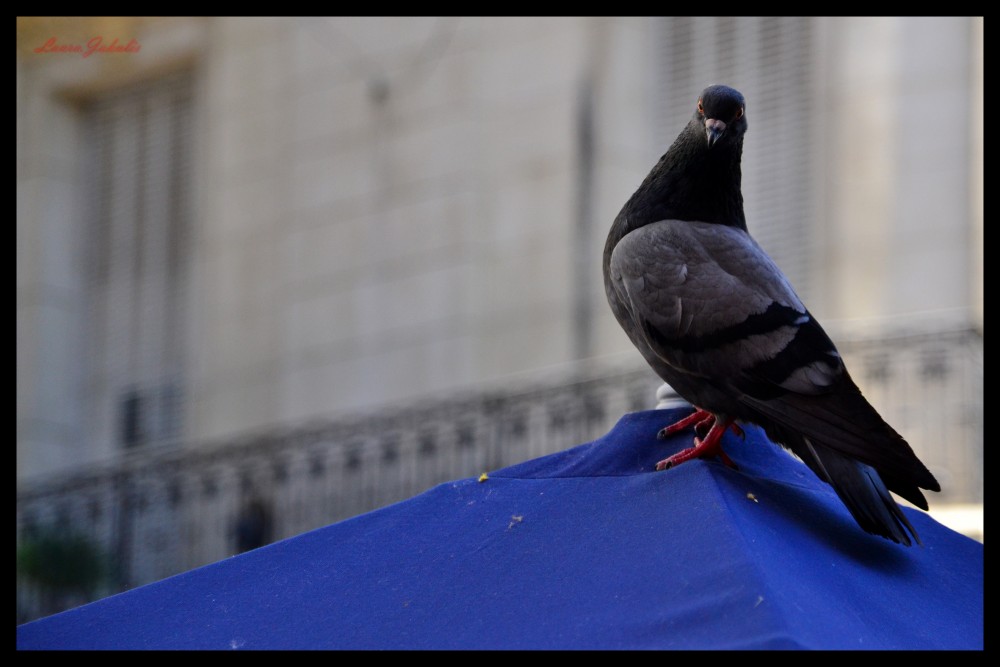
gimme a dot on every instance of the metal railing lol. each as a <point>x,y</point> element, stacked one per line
<point>929,387</point>
<point>158,512</point>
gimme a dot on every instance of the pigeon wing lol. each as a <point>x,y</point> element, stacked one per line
<point>709,302</point>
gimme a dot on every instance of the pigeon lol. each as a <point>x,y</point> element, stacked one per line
<point>715,318</point>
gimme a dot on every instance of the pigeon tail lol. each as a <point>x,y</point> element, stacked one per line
<point>864,493</point>
<point>717,319</point>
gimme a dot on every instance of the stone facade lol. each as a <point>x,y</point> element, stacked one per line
<point>385,209</point>
<point>219,298</point>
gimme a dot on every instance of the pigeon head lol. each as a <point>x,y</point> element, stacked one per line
<point>698,178</point>
<point>721,111</point>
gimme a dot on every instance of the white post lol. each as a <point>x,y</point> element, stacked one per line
<point>667,398</point>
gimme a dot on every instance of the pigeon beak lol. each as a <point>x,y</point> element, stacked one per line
<point>713,130</point>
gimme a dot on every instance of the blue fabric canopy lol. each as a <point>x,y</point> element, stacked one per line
<point>589,548</point>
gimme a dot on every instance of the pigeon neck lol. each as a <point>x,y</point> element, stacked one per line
<point>691,182</point>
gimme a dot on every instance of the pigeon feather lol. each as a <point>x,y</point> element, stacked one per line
<point>717,319</point>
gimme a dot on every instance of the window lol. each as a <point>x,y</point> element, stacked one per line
<point>770,60</point>
<point>136,175</point>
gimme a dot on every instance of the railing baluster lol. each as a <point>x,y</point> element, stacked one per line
<point>161,511</point>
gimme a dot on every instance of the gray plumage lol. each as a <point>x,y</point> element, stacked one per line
<point>717,320</point>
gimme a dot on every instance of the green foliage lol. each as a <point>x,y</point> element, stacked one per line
<point>57,561</point>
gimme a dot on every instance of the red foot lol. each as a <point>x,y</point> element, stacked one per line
<point>698,417</point>
<point>711,445</point>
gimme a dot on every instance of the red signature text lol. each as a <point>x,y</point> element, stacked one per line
<point>93,45</point>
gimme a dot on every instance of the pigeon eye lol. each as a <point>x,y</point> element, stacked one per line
<point>739,113</point>
<point>701,109</point>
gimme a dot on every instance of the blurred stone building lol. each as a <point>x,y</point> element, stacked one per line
<point>313,266</point>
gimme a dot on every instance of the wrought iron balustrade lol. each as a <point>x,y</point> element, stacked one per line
<point>157,512</point>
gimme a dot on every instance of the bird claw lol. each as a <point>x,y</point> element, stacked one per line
<point>698,451</point>
<point>705,444</point>
<point>698,418</point>
<point>676,459</point>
